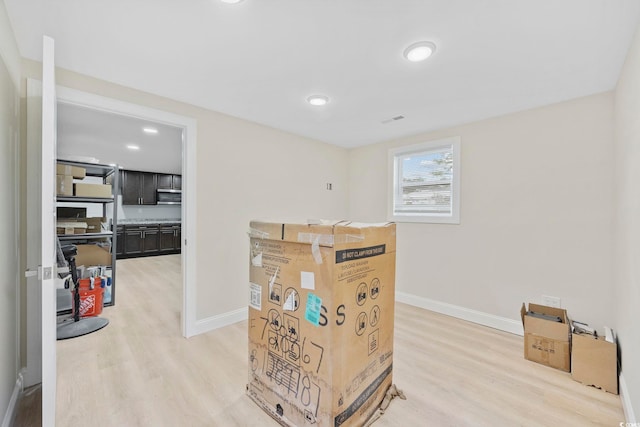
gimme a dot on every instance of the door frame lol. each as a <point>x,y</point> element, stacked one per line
<point>189,201</point>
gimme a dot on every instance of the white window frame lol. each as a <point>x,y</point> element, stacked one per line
<point>396,154</point>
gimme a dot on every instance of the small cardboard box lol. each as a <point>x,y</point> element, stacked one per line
<point>64,185</point>
<point>91,255</point>
<point>92,190</point>
<point>321,315</point>
<point>65,226</point>
<point>545,341</point>
<point>594,362</point>
<point>94,224</point>
<point>75,172</point>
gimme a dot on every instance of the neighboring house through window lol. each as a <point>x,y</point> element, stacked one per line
<point>425,182</point>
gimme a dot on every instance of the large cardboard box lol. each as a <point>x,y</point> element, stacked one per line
<point>594,362</point>
<point>92,255</point>
<point>92,190</point>
<point>72,171</point>
<point>321,316</point>
<point>545,341</point>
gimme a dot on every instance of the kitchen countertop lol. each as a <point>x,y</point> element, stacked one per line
<point>143,221</point>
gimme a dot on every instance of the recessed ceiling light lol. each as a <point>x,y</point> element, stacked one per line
<point>318,100</point>
<point>150,130</point>
<point>419,51</point>
<point>133,147</point>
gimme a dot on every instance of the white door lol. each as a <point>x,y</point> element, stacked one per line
<point>41,239</point>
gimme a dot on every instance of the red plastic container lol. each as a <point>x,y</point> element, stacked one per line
<point>90,299</point>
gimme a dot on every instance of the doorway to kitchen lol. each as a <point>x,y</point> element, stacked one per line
<point>102,132</point>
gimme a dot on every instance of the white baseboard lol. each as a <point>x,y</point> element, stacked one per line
<point>219,321</point>
<point>629,415</point>
<point>485,319</point>
<point>10,414</point>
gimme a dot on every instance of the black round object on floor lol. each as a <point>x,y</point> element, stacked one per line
<point>70,329</point>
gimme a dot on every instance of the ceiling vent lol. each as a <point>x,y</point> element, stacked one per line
<point>392,119</point>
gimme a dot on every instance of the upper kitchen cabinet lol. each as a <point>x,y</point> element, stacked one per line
<point>169,182</point>
<point>139,188</point>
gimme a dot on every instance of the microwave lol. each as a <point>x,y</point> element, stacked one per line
<point>169,197</point>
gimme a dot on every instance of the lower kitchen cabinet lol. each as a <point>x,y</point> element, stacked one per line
<point>149,239</point>
<point>119,241</point>
<point>170,237</point>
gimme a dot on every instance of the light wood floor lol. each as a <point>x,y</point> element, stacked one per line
<point>139,371</point>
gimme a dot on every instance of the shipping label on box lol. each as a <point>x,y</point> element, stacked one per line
<point>321,321</point>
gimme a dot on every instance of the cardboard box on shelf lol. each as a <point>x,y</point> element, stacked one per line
<point>94,224</point>
<point>70,227</point>
<point>64,185</point>
<point>91,190</point>
<point>91,255</point>
<point>321,314</point>
<point>594,362</point>
<point>81,225</point>
<point>547,341</point>
<point>75,172</point>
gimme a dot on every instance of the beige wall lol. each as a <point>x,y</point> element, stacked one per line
<point>627,253</point>
<point>536,213</point>
<point>9,244</point>
<point>244,171</point>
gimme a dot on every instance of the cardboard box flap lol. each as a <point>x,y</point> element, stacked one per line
<point>89,255</point>
<point>310,231</point>
<point>558,331</point>
<point>560,312</point>
<point>594,362</point>
<point>320,232</point>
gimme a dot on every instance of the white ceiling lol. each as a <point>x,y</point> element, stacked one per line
<point>260,59</point>
<point>97,136</point>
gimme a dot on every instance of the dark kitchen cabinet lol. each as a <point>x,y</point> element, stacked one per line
<point>139,188</point>
<point>119,240</point>
<point>170,238</point>
<point>169,182</point>
<point>140,240</point>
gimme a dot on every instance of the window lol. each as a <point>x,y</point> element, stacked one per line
<point>425,182</point>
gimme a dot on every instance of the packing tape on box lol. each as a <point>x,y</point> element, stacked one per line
<point>319,239</point>
<point>315,251</point>
<point>254,232</point>
<point>329,239</point>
